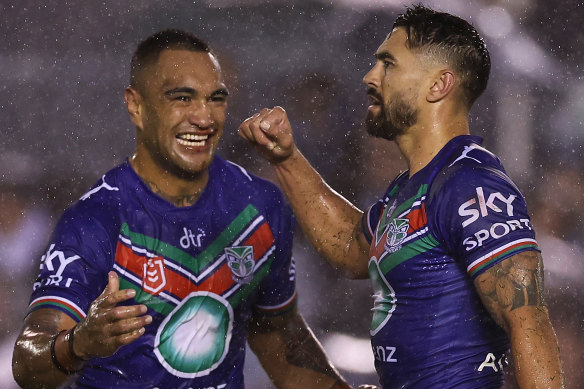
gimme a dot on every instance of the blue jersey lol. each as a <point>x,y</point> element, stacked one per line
<point>201,270</point>
<point>431,235</point>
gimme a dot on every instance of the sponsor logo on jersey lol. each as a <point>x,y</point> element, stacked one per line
<point>397,231</point>
<point>496,231</point>
<point>492,362</point>
<point>48,260</point>
<point>191,239</point>
<point>240,261</point>
<point>103,185</point>
<point>480,205</point>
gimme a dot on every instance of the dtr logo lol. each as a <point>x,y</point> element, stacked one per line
<point>189,238</point>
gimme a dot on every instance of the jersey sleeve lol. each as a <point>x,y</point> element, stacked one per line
<point>278,290</point>
<point>482,217</point>
<point>73,271</point>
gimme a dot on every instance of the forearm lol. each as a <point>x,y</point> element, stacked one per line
<point>535,351</point>
<point>33,362</point>
<point>327,219</point>
<point>292,356</point>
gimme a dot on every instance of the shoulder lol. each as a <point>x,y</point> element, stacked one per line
<point>471,167</point>
<point>99,204</point>
<point>241,182</point>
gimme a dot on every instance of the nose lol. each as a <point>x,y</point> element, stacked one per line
<point>200,115</point>
<point>371,79</point>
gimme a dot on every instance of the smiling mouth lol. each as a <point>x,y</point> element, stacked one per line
<point>192,140</point>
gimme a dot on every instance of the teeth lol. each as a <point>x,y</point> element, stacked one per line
<point>192,137</point>
<point>190,143</point>
<point>192,140</point>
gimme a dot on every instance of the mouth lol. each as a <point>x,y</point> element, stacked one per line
<point>192,140</point>
<point>374,98</point>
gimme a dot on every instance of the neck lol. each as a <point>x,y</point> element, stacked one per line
<point>179,191</point>
<point>422,142</point>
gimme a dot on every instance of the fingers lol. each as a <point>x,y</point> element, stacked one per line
<point>113,283</point>
<point>264,128</point>
<point>112,295</point>
<point>270,131</point>
<point>125,326</point>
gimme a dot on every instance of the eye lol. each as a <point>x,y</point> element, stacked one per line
<point>218,98</point>
<point>183,98</point>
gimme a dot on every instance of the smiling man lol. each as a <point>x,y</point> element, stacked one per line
<point>159,274</point>
<point>449,248</point>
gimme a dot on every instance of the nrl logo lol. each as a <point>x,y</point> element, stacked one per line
<point>240,261</point>
<point>397,231</point>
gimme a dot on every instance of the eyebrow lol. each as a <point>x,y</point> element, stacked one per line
<point>185,89</point>
<point>385,55</point>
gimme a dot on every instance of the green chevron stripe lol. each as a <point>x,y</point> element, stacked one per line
<point>143,297</point>
<point>417,247</point>
<point>236,298</point>
<point>202,260</point>
<point>408,203</point>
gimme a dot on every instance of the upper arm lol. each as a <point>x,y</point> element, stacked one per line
<point>511,285</point>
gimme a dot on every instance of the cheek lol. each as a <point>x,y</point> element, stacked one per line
<point>218,114</point>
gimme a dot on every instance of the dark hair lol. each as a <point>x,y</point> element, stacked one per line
<point>148,51</point>
<point>453,39</point>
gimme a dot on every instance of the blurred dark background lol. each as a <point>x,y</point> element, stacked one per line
<point>64,66</point>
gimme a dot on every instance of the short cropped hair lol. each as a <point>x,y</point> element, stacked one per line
<point>148,51</point>
<point>453,39</point>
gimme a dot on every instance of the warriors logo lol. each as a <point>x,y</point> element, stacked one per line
<point>240,261</point>
<point>397,231</point>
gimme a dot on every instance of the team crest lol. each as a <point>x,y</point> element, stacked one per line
<point>153,277</point>
<point>397,231</point>
<point>240,261</point>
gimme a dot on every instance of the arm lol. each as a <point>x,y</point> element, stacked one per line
<point>290,354</point>
<point>512,292</point>
<point>105,329</point>
<point>331,223</point>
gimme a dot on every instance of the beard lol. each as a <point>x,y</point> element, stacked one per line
<point>393,119</point>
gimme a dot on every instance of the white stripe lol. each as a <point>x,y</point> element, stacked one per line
<point>418,233</point>
<point>502,248</point>
<point>139,282</point>
<point>184,271</point>
<point>414,204</point>
<point>245,173</point>
<point>273,307</point>
<point>64,300</point>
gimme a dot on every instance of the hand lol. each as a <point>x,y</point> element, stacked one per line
<point>271,134</point>
<point>107,327</point>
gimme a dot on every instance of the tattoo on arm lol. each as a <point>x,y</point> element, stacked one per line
<point>514,283</point>
<point>301,347</point>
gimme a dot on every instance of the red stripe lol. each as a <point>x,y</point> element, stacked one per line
<point>499,253</point>
<point>60,302</point>
<point>417,218</point>
<point>261,240</point>
<point>179,285</point>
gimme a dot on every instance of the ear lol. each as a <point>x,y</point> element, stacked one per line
<point>133,101</point>
<point>441,87</point>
